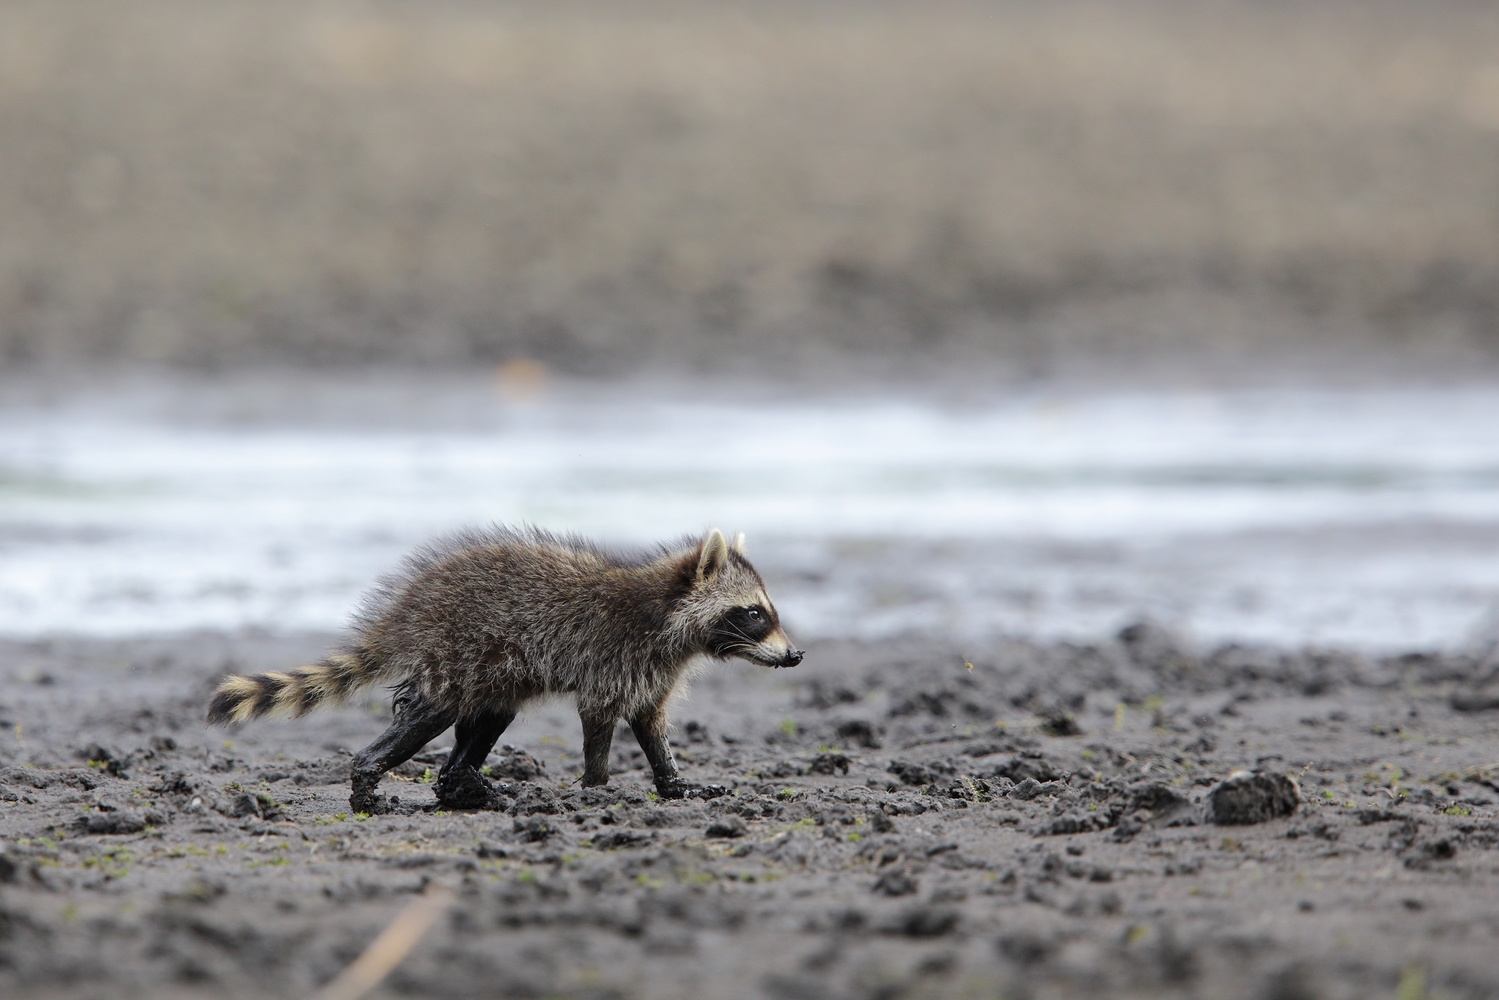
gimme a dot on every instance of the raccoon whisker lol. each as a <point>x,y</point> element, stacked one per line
<point>749,639</point>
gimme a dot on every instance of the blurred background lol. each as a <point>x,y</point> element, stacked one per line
<point>980,318</point>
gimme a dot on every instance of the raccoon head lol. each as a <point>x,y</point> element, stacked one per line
<point>729,610</point>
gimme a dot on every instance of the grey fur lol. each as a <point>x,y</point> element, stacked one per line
<point>478,624</point>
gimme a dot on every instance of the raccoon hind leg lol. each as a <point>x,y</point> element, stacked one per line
<point>460,785</point>
<point>417,723</point>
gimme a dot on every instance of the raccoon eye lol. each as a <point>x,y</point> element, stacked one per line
<point>753,614</point>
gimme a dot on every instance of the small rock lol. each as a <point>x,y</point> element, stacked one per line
<point>727,827</point>
<point>1030,788</point>
<point>1073,822</point>
<point>830,763</point>
<point>533,798</point>
<point>174,783</point>
<point>1482,700</point>
<point>1024,947</point>
<point>895,883</point>
<point>1019,768</point>
<point>860,733</point>
<point>912,773</point>
<point>244,804</point>
<point>1439,850</point>
<point>534,828</point>
<point>1376,815</point>
<point>102,757</point>
<point>1424,796</point>
<point>270,808</point>
<point>1242,799</point>
<point>197,891</point>
<point>122,821</point>
<point>1162,803</point>
<point>29,776</point>
<point>615,839</point>
<point>923,921</point>
<point>1060,724</point>
<point>515,765</point>
<point>1026,790</point>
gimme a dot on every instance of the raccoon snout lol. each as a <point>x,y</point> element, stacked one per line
<point>792,658</point>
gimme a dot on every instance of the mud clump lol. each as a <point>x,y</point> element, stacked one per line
<point>1245,799</point>
<point>1478,700</point>
<point>515,765</point>
<point>109,823</point>
<point>466,788</point>
<point>725,829</point>
<point>1060,724</point>
<point>895,883</point>
<point>1159,803</point>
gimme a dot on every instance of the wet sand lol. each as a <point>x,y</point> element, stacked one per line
<point>1041,825</point>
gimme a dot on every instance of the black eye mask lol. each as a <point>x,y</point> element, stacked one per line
<point>742,627</point>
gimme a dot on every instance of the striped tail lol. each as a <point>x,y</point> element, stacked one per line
<point>291,693</point>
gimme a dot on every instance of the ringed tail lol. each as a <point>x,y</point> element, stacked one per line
<point>290,693</point>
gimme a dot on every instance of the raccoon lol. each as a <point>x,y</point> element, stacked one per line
<point>479,624</point>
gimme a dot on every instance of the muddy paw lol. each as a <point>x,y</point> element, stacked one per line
<point>466,788</point>
<point>679,789</point>
<point>369,803</point>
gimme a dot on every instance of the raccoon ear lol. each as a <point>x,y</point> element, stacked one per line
<point>738,545</point>
<point>713,556</point>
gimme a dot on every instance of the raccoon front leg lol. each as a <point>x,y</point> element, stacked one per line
<point>650,729</point>
<point>598,736</point>
<point>417,724</point>
<point>459,784</point>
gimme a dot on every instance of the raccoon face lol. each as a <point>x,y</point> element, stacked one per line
<point>738,617</point>
<point>754,633</point>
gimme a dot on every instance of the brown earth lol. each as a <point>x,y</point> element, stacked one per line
<point>1033,188</point>
<point>900,825</point>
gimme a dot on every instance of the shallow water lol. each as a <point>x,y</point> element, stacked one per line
<point>1366,517</point>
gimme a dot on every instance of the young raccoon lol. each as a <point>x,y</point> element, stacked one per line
<point>476,626</point>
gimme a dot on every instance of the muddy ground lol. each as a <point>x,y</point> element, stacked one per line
<point>1040,825</point>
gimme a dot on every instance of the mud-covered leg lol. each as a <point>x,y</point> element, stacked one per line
<point>460,785</point>
<point>598,735</point>
<point>416,725</point>
<point>475,736</point>
<point>650,729</point>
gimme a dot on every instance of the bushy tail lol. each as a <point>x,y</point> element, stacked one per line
<point>291,693</point>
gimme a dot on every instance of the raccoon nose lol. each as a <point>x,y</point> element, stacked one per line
<point>793,658</point>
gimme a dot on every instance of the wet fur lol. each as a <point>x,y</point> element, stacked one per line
<point>481,623</point>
